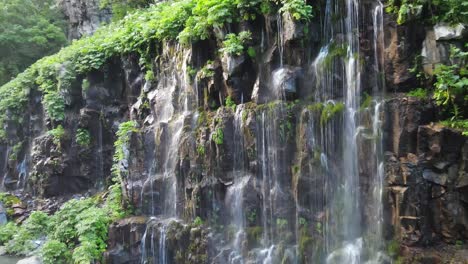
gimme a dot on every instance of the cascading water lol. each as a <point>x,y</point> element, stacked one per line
<point>172,110</point>
<point>331,205</point>
<point>235,192</point>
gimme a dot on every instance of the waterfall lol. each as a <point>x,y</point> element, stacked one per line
<point>99,158</point>
<point>172,99</point>
<point>235,192</point>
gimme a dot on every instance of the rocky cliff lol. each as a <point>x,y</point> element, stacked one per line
<point>302,147</point>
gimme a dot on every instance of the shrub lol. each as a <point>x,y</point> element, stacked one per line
<point>58,134</point>
<point>218,136</point>
<point>298,9</point>
<point>83,138</point>
<point>451,86</point>
<point>230,103</point>
<point>7,232</point>
<point>234,44</point>
<point>36,226</point>
<point>419,93</point>
<point>55,252</point>
<point>198,221</point>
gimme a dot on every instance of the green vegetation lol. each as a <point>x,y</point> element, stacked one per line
<point>281,223</point>
<point>121,7</point>
<point>37,225</point>
<point>234,44</point>
<point>55,251</point>
<point>451,86</point>
<point>198,221</point>
<point>83,138</point>
<point>206,71</point>
<point>218,136</point>
<point>15,150</point>
<point>123,138</point>
<point>58,134</point>
<point>7,232</point>
<point>8,200</point>
<point>457,124</point>
<point>30,30</point>
<point>298,9</point>
<point>329,110</point>
<point>77,232</point>
<point>419,93</point>
<point>450,11</point>
<point>201,150</point>
<point>334,51</point>
<point>230,103</point>
<point>183,20</point>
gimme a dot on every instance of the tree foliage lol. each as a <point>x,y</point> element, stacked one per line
<point>29,30</point>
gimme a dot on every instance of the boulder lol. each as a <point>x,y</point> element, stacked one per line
<point>444,31</point>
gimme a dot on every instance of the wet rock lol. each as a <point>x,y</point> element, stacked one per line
<point>125,241</point>
<point>30,260</point>
<point>403,116</point>
<point>438,178</point>
<point>445,31</point>
<point>285,81</point>
<point>433,53</point>
<point>401,42</point>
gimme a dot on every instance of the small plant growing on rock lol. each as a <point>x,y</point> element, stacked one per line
<point>83,138</point>
<point>58,134</point>
<point>230,103</point>
<point>198,221</point>
<point>298,9</point>
<point>7,232</point>
<point>55,251</point>
<point>419,93</point>
<point>218,136</point>
<point>234,44</point>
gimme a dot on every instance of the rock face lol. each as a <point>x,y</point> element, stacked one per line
<point>298,163</point>
<point>426,176</point>
<point>83,16</point>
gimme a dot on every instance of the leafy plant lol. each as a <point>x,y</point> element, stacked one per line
<point>281,223</point>
<point>55,252</point>
<point>234,44</point>
<point>37,225</point>
<point>8,200</point>
<point>83,138</point>
<point>218,136</point>
<point>298,9</point>
<point>123,138</point>
<point>58,134</point>
<point>419,93</point>
<point>201,150</point>
<point>230,103</point>
<point>7,232</point>
<point>30,30</point>
<point>451,86</point>
<point>450,11</point>
<point>329,110</point>
<point>457,124</point>
<point>198,221</point>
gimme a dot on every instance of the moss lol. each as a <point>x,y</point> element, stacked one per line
<point>8,201</point>
<point>330,110</point>
<point>393,248</point>
<point>15,151</point>
<point>254,235</point>
<point>419,93</point>
<point>218,136</point>
<point>366,102</point>
<point>316,107</point>
<point>305,242</point>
